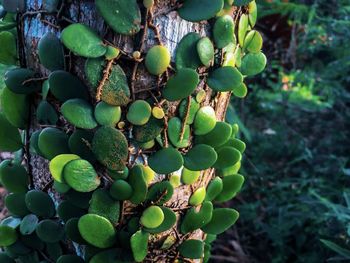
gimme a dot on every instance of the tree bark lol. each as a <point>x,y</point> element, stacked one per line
<point>34,24</point>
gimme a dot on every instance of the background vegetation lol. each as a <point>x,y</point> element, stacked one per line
<point>295,206</point>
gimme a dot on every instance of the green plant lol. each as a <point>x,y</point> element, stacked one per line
<point>111,196</point>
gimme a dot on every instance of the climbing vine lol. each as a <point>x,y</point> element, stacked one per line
<point>135,171</point>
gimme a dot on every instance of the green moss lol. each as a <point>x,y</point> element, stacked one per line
<point>110,147</point>
<point>104,205</point>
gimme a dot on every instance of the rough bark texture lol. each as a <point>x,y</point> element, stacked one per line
<point>171,29</point>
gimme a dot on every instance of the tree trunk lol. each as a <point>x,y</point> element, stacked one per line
<point>171,27</point>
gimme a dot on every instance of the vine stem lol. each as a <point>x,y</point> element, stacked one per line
<point>106,74</point>
<point>136,65</point>
<point>33,79</point>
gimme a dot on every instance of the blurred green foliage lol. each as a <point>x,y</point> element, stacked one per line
<point>296,203</point>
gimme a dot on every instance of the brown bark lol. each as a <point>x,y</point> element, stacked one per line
<point>171,29</point>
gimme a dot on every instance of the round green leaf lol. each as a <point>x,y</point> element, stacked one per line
<point>138,183</point>
<point>123,16</point>
<point>194,220</point>
<point>240,91</point>
<point>200,157</point>
<point>61,188</point>
<point>18,115</point>
<point>79,143</point>
<point>83,41</point>
<point>181,85</point>
<point>152,217</point>
<point>253,42</point>
<point>16,204</point>
<point>14,177</point>
<point>174,131</point>
<point>70,259</point>
<point>197,197</point>
<point>14,6</point>
<point>18,81</point>
<point>198,10</point>
<point>97,230</point>
<point>110,147</point>
<point>107,115</point>
<point>102,204</point>
<point>204,121</point>
<point>79,113</point>
<point>139,245</point>
<point>253,64</point>
<point>253,13</point>
<point>66,210</point>
<point>4,258</point>
<point>121,190</point>
<point>242,29</point>
<point>231,185</point>
<point>10,139</point>
<point>157,60</point>
<point>216,137</point>
<point>225,79</point>
<point>50,52</point>
<point>224,31</point>
<point>223,219</point>
<point>46,113</point>
<point>188,176</point>
<point>166,161</point>
<point>214,188</point>
<point>227,156</point>
<point>168,222</point>
<point>8,236</point>
<point>205,51</point>
<point>65,86</point>
<point>160,193</point>
<point>52,142</point>
<point>116,90</point>
<point>186,51</point>
<point>8,52</point>
<point>81,176</point>
<point>40,204</point>
<point>192,248</point>
<point>72,231</point>
<point>149,131</point>
<point>49,231</point>
<point>194,107</point>
<point>57,164</point>
<point>139,112</point>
